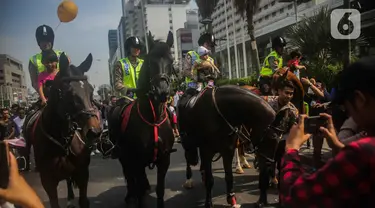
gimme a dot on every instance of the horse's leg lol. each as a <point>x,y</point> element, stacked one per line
<point>69,184</point>
<point>241,153</point>
<point>206,161</point>
<point>239,169</point>
<point>82,180</point>
<point>162,166</point>
<point>264,177</point>
<point>130,183</point>
<point>227,163</point>
<point>50,186</point>
<point>189,174</point>
<point>146,183</point>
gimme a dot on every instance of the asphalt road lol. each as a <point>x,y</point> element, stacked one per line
<point>107,187</point>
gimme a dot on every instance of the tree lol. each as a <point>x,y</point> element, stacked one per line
<point>104,91</point>
<point>324,54</point>
<point>248,8</point>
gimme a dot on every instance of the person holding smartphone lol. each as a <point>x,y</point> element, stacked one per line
<point>347,179</point>
<point>17,191</point>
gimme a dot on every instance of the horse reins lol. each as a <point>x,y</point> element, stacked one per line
<point>235,130</point>
<point>156,126</point>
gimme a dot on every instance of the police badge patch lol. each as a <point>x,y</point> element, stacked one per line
<point>126,66</point>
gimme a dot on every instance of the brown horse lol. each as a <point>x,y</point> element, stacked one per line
<point>63,132</point>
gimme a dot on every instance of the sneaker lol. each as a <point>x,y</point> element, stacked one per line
<point>96,151</point>
<point>92,153</point>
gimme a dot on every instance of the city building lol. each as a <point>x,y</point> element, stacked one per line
<point>12,81</point>
<point>157,16</point>
<point>272,18</point>
<point>112,42</point>
<point>187,37</point>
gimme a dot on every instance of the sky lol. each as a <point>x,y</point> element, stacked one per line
<point>88,33</point>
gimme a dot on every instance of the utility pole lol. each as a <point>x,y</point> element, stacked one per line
<point>144,25</point>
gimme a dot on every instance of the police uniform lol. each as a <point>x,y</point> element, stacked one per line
<point>126,75</point>
<point>191,58</point>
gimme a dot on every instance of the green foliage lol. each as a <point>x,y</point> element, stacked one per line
<point>324,55</point>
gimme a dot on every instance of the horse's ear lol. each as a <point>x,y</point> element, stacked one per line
<point>86,64</point>
<point>170,39</point>
<point>63,64</point>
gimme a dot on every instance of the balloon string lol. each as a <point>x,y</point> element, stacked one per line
<point>58,25</point>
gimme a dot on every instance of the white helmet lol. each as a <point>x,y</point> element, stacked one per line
<point>203,51</point>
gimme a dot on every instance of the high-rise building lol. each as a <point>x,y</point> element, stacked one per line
<point>112,42</point>
<point>12,81</point>
<point>271,19</point>
<point>157,16</point>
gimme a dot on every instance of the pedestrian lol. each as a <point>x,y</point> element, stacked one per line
<point>294,63</point>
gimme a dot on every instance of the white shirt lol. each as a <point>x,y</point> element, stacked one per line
<point>19,123</point>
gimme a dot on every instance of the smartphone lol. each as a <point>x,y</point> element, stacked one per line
<point>313,123</point>
<point>4,165</point>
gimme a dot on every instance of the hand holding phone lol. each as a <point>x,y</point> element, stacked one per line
<point>4,165</point>
<point>313,123</point>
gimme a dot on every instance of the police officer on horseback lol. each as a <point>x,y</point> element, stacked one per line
<point>271,63</point>
<point>207,40</point>
<point>127,69</point>
<point>45,38</point>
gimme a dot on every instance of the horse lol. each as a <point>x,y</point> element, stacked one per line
<point>209,121</point>
<point>63,132</point>
<point>143,126</point>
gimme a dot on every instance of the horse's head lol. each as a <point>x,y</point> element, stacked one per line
<point>71,98</point>
<point>299,92</point>
<point>154,79</point>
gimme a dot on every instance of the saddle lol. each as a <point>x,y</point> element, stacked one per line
<point>30,120</point>
<point>115,116</point>
<point>192,96</point>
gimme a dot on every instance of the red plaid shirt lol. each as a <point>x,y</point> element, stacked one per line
<point>348,180</point>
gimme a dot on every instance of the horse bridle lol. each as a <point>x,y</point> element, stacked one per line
<point>73,126</point>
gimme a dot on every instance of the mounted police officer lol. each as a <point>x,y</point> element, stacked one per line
<point>127,69</point>
<point>271,63</point>
<point>126,74</point>
<point>45,38</point>
<point>207,40</point>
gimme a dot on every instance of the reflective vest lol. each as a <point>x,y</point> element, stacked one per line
<point>130,75</point>
<point>195,57</point>
<point>266,69</point>
<point>37,61</point>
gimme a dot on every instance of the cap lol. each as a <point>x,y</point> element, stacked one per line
<point>203,51</point>
<point>357,76</point>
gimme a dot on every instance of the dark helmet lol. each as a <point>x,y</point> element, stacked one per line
<point>278,42</point>
<point>132,42</point>
<point>44,33</point>
<point>207,38</point>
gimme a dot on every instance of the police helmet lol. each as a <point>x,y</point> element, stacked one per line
<point>44,33</point>
<point>132,42</point>
<point>278,42</point>
<point>207,38</point>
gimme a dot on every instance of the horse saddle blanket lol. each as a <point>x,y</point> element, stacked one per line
<point>119,115</point>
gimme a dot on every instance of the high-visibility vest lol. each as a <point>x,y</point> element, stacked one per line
<point>266,69</point>
<point>195,57</point>
<point>130,75</point>
<point>37,61</point>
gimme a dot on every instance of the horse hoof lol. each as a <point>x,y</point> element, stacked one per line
<point>247,166</point>
<point>239,171</point>
<point>260,204</point>
<point>70,206</point>
<point>188,184</point>
<point>236,206</point>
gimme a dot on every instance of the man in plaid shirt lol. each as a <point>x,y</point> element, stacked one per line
<point>347,180</point>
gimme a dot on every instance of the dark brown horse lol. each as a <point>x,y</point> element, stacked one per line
<point>145,135</point>
<point>210,121</point>
<point>63,132</point>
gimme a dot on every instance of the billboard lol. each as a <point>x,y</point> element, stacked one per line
<point>186,37</point>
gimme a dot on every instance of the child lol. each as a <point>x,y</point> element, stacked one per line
<point>205,62</point>
<point>49,60</point>
<point>294,65</point>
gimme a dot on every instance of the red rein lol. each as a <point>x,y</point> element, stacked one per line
<point>155,125</point>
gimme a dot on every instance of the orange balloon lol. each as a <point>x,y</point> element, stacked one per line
<point>67,11</point>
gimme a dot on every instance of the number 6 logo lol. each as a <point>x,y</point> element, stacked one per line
<point>345,24</point>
